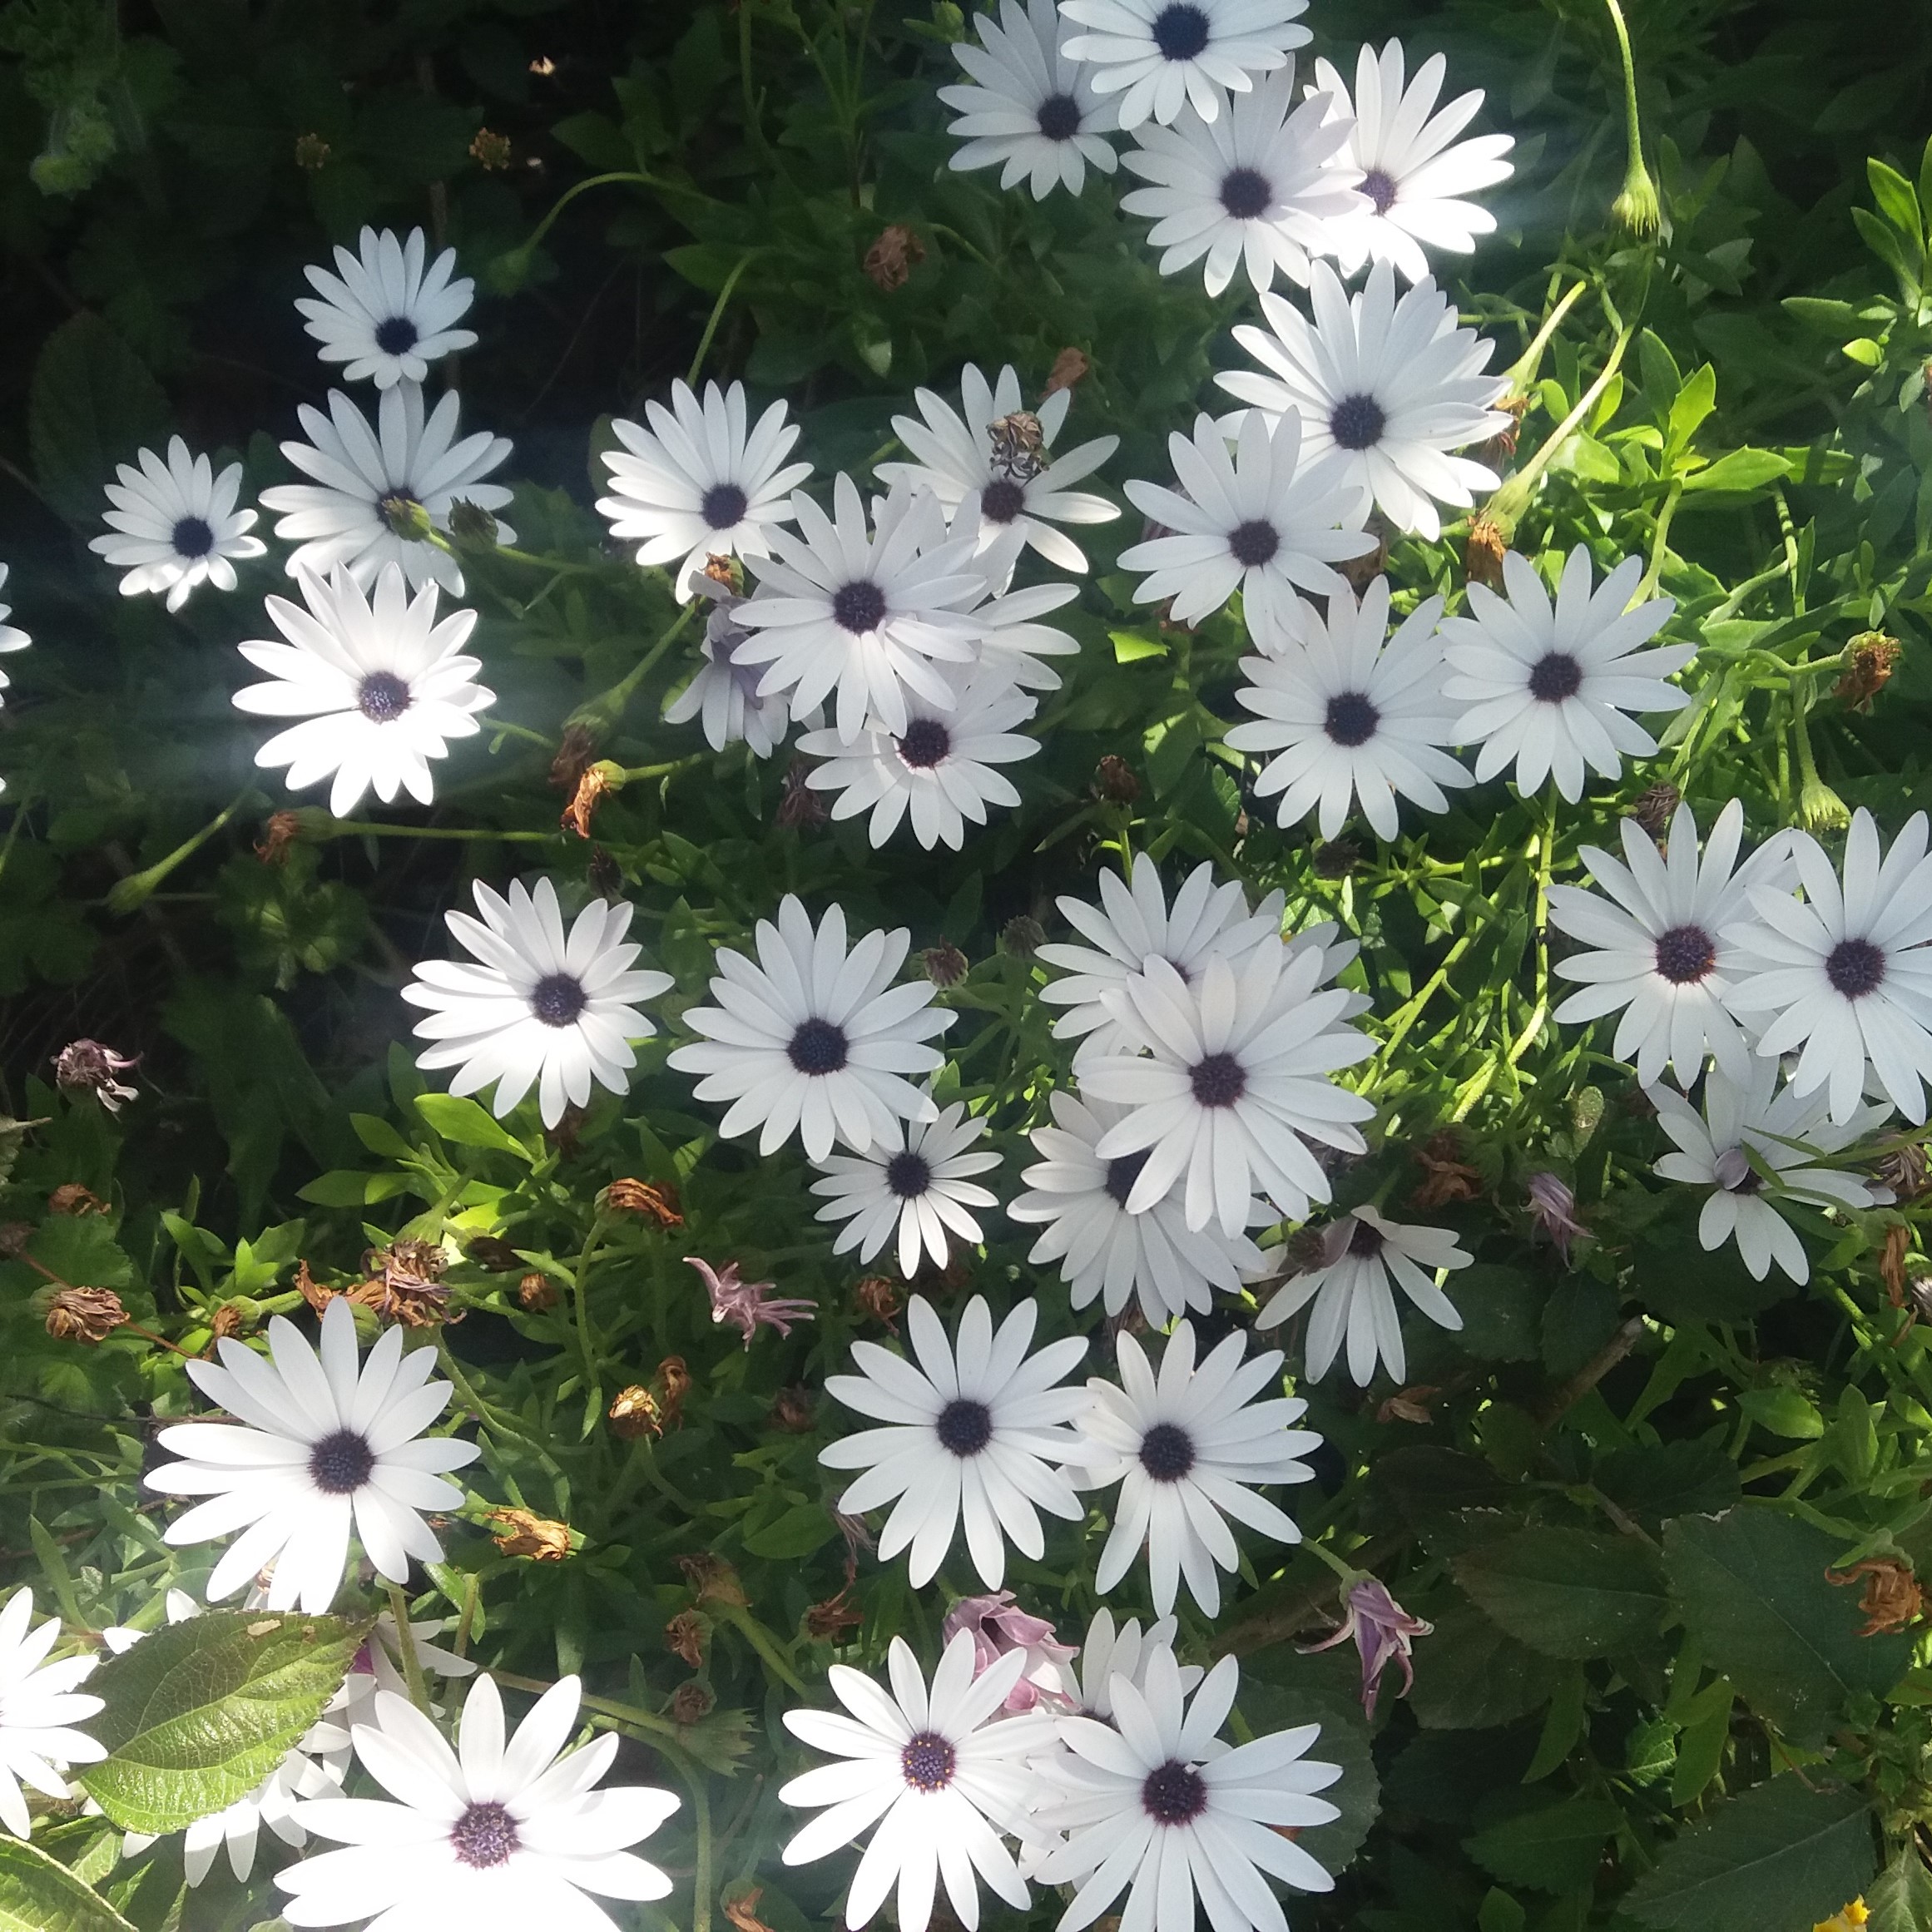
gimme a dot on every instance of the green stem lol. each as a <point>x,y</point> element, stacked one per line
<point>603,712</point>
<point>505,728</point>
<point>1531,360</point>
<point>760,1638</point>
<point>1411,1011</point>
<point>570,194</point>
<point>1660,543</point>
<point>1509,502</point>
<point>128,894</point>
<point>1545,861</point>
<point>1637,207</point>
<point>373,829</point>
<point>406,1644</point>
<point>697,361</point>
<point>647,1721</point>
<point>701,1883</point>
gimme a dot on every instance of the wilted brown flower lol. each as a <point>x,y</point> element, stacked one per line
<point>892,259</point>
<point>1023,935</point>
<point>279,830</point>
<point>691,1703</point>
<point>1070,366</point>
<point>84,1314</point>
<point>944,963</point>
<point>1335,858</point>
<point>537,1292</point>
<point>1654,809</point>
<point>1891,1598</point>
<point>310,1289</point>
<point>1901,1166</point>
<point>1483,550</point>
<point>71,1197</point>
<point>1446,1177</point>
<point>576,750</point>
<point>685,1635</point>
<point>880,1299</point>
<point>525,1533</point>
<point>403,1283</point>
<point>493,1252</point>
<point>87,1066</point>
<point>1502,446</point>
<point>312,153</point>
<point>657,1201</point>
<point>634,1412</point>
<point>671,1384</point>
<point>543,66</point>
<point>798,805</point>
<point>1116,781</point>
<point>829,1620</point>
<point>1868,660</point>
<point>713,1580</point>
<point>791,1410</point>
<point>490,151</point>
<point>229,1319</point>
<point>1407,1405</point>
<point>1892,1261</point>
<point>591,786</point>
<point>726,571</point>
<point>741,1909</point>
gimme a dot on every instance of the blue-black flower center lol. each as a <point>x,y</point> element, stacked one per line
<point>1059,117</point>
<point>908,1175</point>
<point>1379,187</point>
<point>927,1762</point>
<point>1685,954</point>
<point>1856,968</point>
<point>397,336</point>
<point>557,998</point>
<point>1122,1172</point>
<point>342,1463</point>
<point>1357,422</point>
<point>1352,719</point>
<point>1245,193</point>
<point>724,506</point>
<point>1254,543</point>
<point>484,1835</point>
<point>923,743</point>
<point>1218,1081</point>
<point>191,537</point>
<point>1167,1452</point>
<point>1001,500</point>
<point>817,1047</point>
<point>859,606</point>
<point>1181,32</point>
<point>382,697</point>
<point>964,1427</point>
<point>1366,1239</point>
<point>1174,1795</point>
<point>1554,676</point>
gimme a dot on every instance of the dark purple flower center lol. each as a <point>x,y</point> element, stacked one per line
<point>1167,1452</point>
<point>557,998</point>
<point>1352,719</point>
<point>1218,1081</point>
<point>192,537</point>
<point>1856,968</point>
<point>342,1463</point>
<point>817,1047</point>
<point>1245,193</point>
<point>925,742</point>
<point>908,1175</point>
<point>397,336</point>
<point>1174,1795</point>
<point>1181,32</point>
<point>858,607</point>
<point>382,697</point>
<point>1122,1172</point>
<point>484,1837</point>
<point>724,506</point>
<point>965,1428</point>
<point>1685,954</point>
<point>1380,189</point>
<point>1357,422</point>
<point>1059,117</point>
<point>1367,1241</point>
<point>928,1762</point>
<point>1001,500</point>
<point>1254,543</point>
<point>1555,676</point>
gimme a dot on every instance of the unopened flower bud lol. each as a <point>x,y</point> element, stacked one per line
<point>536,1292</point>
<point>1116,781</point>
<point>944,963</point>
<point>490,151</point>
<point>71,1197</point>
<point>1655,808</point>
<point>312,153</point>
<point>690,1702</point>
<point>471,526</point>
<point>634,1414</point>
<point>1023,936</point>
<point>406,518</point>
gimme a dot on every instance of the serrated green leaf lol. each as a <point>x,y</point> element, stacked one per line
<point>1567,1592</point>
<point>1900,1899</point>
<point>38,1894</point>
<point>1469,1675</point>
<point>1555,1849</point>
<point>462,1121</point>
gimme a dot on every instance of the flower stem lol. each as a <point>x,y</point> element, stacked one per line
<point>1637,207</point>
<point>130,893</point>
<point>602,712</point>
<point>1524,371</point>
<point>717,316</point>
<point>1513,498</point>
<point>374,829</point>
<point>406,1644</point>
<point>701,1900</point>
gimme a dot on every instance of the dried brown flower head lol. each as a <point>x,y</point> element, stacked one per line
<point>87,1066</point>
<point>1483,550</point>
<point>523,1533</point>
<point>537,1292</point>
<point>1891,1598</point>
<point>713,1580</point>
<point>1408,1404</point>
<point>1446,1177</point>
<point>691,1703</point>
<point>1869,661</point>
<point>71,1197</point>
<point>726,571</point>
<point>741,1909</point>
<point>798,805</point>
<point>1902,1168</point>
<point>229,1319</point>
<point>312,153</point>
<point>1071,366</point>
<point>829,1621</point>
<point>493,1252</point>
<point>1891,1264</point>
<point>634,1414</point>
<point>877,1295</point>
<point>310,1289</point>
<point>279,831</point>
<point>575,752</point>
<point>685,1635</point>
<point>1116,781</point>
<point>1654,809</point>
<point>1502,446</point>
<point>669,1385</point>
<point>791,1410</point>
<point>891,259</point>
<point>654,1201</point>
<point>944,963</point>
<point>592,785</point>
<point>403,1283</point>
<point>490,151</point>
<point>84,1314</point>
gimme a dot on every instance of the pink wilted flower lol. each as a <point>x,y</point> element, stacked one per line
<point>746,1304</point>
<point>1384,1632</point>
<point>87,1066</point>
<point>1553,1210</point>
<point>999,1626</point>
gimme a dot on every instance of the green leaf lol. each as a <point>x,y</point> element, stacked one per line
<point>1751,1585</point>
<point>1900,1900</point>
<point>1469,1675</point>
<point>92,404</point>
<point>1782,1410</point>
<point>1555,1849</point>
<point>199,1712</point>
<point>1829,318</point>
<point>345,1187</point>
<point>463,1121</point>
<point>1674,1478</point>
<point>1567,1592</point>
<point>1692,403</point>
<point>1740,469</point>
<point>1896,200</point>
<point>38,1894</point>
<point>1502,1311</point>
<point>1776,1859</point>
<point>796,1533</point>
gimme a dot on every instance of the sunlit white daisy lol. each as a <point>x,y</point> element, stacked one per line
<point>496,1836</point>
<point>11,636</point>
<point>1362,1253</point>
<point>1392,386</point>
<point>815,1038</point>
<point>540,1008</point>
<point>1414,179</point>
<point>388,312</point>
<point>723,692</point>
<point>174,525</point>
<point>40,1705</point>
<point>1012,637</point>
<point>1343,716</point>
<point>702,481</point>
<point>1753,1146</point>
<point>1032,111</point>
<point>1548,686</point>
<point>1657,931</point>
<point>1846,974</point>
<point>1255,188</point>
<point>916,1188</point>
<point>326,1445</point>
<point>378,1666</point>
<point>1157,1801</point>
<point>1108,1651</point>
<point>366,482</point>
<point>1262,519</point>
<point>1186,1450</point>
<point>973,1433</point>
<point>1161,56</point>
<point>955,455</point>
<point>941,769</point>
<point>1232,1084</point>
<point>941,1774</point>
<point>1105,1251</point>
<point>381,687</point>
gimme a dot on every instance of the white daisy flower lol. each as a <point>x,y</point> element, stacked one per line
<point>815,1038</point>
<point>1032,112</point>
<point>701,482</point>
<point>539,1009</point>
<point>916,1185</point>
<point>39,1706</point>
<point>11,636</point>
<point>1185,1451</point>
<point>381,687</point>
<point>1548,686</point>
<point>1393,386</point>
<point>723,693</point>
<point>1349,718</point>
<point>871,616</point>
<point>385,314</point>
<point>1156,1800</point>
<point>1352,1299</point>
<point>955,458</point>
<point>1847,974</point>
<point>1012,639</point>
<point>1233,1084</point>
<point>1412,176</point>
<point>1658,946</point>
<point>361,478</point>
<point>941,1774</point>
<point>174,525</point>
<point>972,1434</point>
<point>1262,519</point>
<point>1752,1148</point>
<point>1107,1653</point>
<point>378,1666</point>
<point>1105,1251</point>
<point>1255,188</point>
<point>496,1835</point>
<point>326,1445</point>
<point>940,768</point>
<point>1160,56</point>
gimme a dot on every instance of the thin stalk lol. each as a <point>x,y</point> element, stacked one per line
<point>1513,498</point>
<point>701,1883</point>
<point>1660,542</point>
<point>1524,371</point>
<point>373,829</point>
<point>603,712</point>
<point>1545,861</point>
<point>697,361</point>
<point>130,893</point>
<point>406,1643</point>
<point>1637,207</point>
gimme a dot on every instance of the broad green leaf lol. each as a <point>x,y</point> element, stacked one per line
<point>1469,1675</point>
<point>1674,1478</point>
<point>199,1713</point>
<point>38,1894</point>
<point>796,1533</point>
<point>345,1187</point>
<point>1555,1849</point>
<point>1830,318</point>
<point>1900,1899</point>
<point>379,1138</point>
<point>463,1121</point>
<point>1896,200</point>
<point>1567,1592</point>
<point>1779,1859</point>
<point>1740,469</point>
<point>1693,403</point>
<point>1783,1411</point>
<point>92,404</point>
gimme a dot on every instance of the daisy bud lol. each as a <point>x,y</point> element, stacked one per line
<point>406,518</point>
<point>876,1295</point>
<point>471,527</point>
<point>535,1293</point>
<point>685,1635</point>
<point>1636,210</point>
<point>1023,936</point>
<point>944,964</point>
<point>891,259</point>
<point>525,1533</point>
<point>1483,551</point>
<point>84,1314</point>
<point>633,1413</point>
<point>71,1197</point>
<point>1116,781</point>
<point>691,1703</point>
<point>1868,659</point>
<point>713,1580</point>
<point>1820,807</point>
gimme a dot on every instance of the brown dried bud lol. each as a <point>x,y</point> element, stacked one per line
<point>1901,1168</point>
<point>1303,1250</point>
<point>1483,550</point>
<point>892,258</point>
<point>71,1197</point>
<point>537,1292</point>
<point>490,151</point>
<point>944,963</point>
<point>791,1410</point>
<point>14,1235</point>
<point>279,830</point>
<point>634,1414</point>
<point>741,1909</point>
<point>1891,1598</point>
<point>1502,446</point>
<point>1336,858</point>
<point>492,1253</point>
<point>685,1635</point>
<point>1023,936</point>
<point>1070,367</point>
<point>726,571</point>
<point>1407,1405</point>
<point>657,1201</point>
<point>312,153</point>
<point>1655,808</point>
<point>84,1314</point>
<point>1891,1266</point>
<point>880,1299</point>
<point>1446,1177</point>
<point>829,1620</point>
<point>1361,571</point>
<point>798,805</point>
<point>310,1289</point>
<point>591,787</point>
<point>404,1284</point>
<point>606,875</point>
<point>229,1319</point>
<point>1868,660</point>
<point>671,1384</point>
<point>713,1580</point>
<point>691,1703</point>
<point>574,754</point>
<point>525,1533</point>
<point>1116,781</point>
